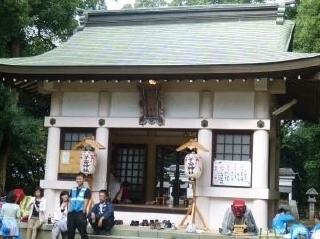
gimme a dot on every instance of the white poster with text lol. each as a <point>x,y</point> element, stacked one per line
<point>232,173</point>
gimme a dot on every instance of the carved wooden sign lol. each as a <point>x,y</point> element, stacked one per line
<point>151,104</point>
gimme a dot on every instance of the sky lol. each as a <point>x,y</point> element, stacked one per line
<point>118,4</point>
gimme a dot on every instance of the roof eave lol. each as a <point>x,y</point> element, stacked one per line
<point>273,69</point>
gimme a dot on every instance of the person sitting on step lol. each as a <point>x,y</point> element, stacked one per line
<point>101,216</point>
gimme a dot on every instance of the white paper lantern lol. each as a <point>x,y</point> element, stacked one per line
<point>88,162</point>
<point>193,165</point>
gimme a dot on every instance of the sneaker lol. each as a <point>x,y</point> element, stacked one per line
<point>107,233</point>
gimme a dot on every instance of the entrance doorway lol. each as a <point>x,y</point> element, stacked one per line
<point>148,161</point>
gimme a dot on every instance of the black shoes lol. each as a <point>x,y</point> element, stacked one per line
<point>134,223</point>
<point>118,222</point>
<point>144,223</point>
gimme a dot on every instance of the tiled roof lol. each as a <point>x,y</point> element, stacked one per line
<point>213,36</point>
<point>286,172</point>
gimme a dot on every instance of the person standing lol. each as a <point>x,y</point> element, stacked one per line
<point>10,213</point>
<point>60,216</point>
<point>77,214</point>
<point>37,210</point>
<point>101,216</point>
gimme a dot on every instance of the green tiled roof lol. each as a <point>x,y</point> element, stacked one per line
<point>214,40</point>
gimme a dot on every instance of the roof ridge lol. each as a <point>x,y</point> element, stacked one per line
<point>215,12</point>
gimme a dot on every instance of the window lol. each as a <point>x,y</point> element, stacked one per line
<point>236,147</point>
<point>232,159</point>
<point>70,137</point>
<point>129,163</point>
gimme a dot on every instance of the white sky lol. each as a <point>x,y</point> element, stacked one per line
<point>117,4</point>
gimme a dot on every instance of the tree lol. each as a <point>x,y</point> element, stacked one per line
<point>307,30</point>
<point>29,28</point>
<point>8,112</point>
<point>300,151</point>
<point>149,3</point>
<point>23,142</point>
<point>33,27</point>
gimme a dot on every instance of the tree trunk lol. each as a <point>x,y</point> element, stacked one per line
<point>4,149</point>
<point>15,48</point>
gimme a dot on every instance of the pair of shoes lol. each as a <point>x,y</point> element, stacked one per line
<point>134,223</point>
<point>152,224</point>
<point>144,223</point>
<point>118,222</point>
<point>107,233</point>
<point>166,223</point>
<point>158,225</point>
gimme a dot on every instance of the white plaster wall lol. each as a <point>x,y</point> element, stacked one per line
<point>181,104</point>
<point>80,103</point>
<point>125,104</point>
<point>233,105</point>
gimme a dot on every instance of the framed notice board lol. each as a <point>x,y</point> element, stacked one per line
<point>231,173</point>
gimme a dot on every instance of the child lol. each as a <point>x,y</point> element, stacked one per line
<point>10,213</point>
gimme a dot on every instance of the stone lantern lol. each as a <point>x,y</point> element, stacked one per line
<point>312,193</point>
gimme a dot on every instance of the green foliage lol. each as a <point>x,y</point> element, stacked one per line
<point>92,4</point>
<point>30,28</point>
<point>291,10</point>
<point>307,32</point>
<point>7,109</point>
<point>300,151</point>
<point>33,27</point>
<point>14,20</point>
<point>127,6</point>
<point>149,3</point>
<point>26,161</point>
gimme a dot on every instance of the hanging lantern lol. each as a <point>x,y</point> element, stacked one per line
<point>88,162</point>
<point>192,161</point>
<point>193,165</point>
<point>88,158</point>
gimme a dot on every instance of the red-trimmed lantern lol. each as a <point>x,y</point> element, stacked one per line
<point>193,165</point>
<point>88,162</point>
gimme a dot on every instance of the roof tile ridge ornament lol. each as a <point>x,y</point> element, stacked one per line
<point>281,13</point>
<point>82,18</point>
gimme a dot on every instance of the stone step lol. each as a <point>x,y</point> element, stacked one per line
<point>133,232</point>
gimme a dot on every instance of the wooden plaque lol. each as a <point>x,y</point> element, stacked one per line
<point>69,161</point>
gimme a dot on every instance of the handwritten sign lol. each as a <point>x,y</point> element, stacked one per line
<point>232,173</point>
